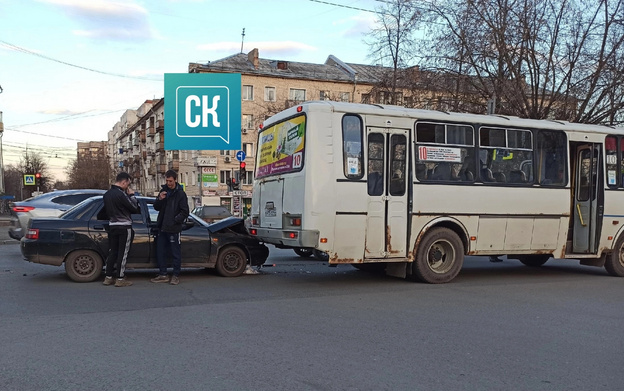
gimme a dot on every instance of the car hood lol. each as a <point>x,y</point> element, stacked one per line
<point>225,223</point>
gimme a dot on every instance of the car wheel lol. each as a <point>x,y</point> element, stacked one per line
<point>231,262</point>
<point>84,266</point>
<point>320,255</point>
<point>304,252</point>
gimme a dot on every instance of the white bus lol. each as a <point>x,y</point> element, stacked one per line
<point>414,191</point>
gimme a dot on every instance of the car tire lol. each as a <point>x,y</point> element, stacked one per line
<point>231,262</point>
<point>84,266</point>
<point>304,252</point>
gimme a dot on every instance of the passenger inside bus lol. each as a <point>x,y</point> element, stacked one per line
<point>375,183</point>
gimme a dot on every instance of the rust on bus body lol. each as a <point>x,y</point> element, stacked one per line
<point>334,259</point>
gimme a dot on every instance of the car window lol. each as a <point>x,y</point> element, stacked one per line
<point>82,211</point>
<point>153,213</point>
<point>72,199</point>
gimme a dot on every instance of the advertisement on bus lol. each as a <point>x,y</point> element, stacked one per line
<point>281,148</point>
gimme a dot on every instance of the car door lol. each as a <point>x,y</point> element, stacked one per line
<point>140,248</point>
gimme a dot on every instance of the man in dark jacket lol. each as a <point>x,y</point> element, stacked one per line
<point>172,206</point>
<point>119,203</point>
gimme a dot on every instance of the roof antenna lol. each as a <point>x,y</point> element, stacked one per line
<point>242,39</point>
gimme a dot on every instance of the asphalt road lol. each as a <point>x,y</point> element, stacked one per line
<point>302,325</point>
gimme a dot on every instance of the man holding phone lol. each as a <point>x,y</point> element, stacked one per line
<point>119,203</point>
<point>172,206</point>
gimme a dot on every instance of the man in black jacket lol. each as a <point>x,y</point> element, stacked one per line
<point>119,203</point>
<point>172,206</point>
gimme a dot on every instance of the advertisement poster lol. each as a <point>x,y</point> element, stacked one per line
<point>281,148</point>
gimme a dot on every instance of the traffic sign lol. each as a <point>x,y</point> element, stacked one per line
<point>241,155</point>
<point>29,179</point>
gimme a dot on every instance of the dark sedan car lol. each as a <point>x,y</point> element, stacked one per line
<point>78,238</point>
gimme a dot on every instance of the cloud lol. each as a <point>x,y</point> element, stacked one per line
<point>267,48</point>
<point>357,25</point>
<point>108,20</point>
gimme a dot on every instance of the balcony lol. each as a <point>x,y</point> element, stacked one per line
<point>174,165</point>
<point>160,125</point>
<point>142,135</point>
<point>151,131</point>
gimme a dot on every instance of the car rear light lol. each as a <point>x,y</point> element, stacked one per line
<point>253,231</point>
<point>18,209</point>
<point>32,233</point>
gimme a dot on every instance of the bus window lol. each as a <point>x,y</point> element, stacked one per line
<point>397,165</point>
<point>550,159</point>
<point>503,155</point>
<point>445,153</point>
<point>352,146</point>
<point>375,164</point>
<point>611,157</point>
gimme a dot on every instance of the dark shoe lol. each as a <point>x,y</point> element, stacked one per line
<point>174,280</point>
<point>495,259</point>
<point>160,278</point>
<point>122,282</point>
<point>108,281</point>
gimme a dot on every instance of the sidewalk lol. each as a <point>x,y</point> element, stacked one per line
<point>5,223</point>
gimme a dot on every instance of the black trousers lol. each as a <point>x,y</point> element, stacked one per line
<point>119,242</point>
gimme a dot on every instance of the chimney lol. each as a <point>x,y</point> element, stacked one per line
<point>253,57</point>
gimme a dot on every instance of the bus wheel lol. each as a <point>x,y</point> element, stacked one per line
<point>320,255</point>
<point>615,261</point>
<point>439,257</point>
<point>303,252</point>
<point>534,260</point>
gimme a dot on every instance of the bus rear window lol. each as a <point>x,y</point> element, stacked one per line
<point>281,148</point>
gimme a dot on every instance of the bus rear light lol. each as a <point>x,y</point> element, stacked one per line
<point>299,109</point>
<point>253,231</point>
<point>255,221</point>
<point>323,240</point>
<point>18,209</point>
<point>292,235</point>
<point>609,237</point>
<point>473,238</point>
<point>32,233</point>
<point>261,126</point>
<point>296,222</point>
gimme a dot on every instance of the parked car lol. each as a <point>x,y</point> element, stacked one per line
<point>211,213</point>
<point>50,204</point>
<point>78,239</point>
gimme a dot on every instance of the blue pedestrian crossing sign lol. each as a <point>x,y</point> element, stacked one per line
<point>240,156</point>
<point>29,179</point>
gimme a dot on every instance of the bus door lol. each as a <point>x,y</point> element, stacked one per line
<point>588,205</point>
<point>387,214</point>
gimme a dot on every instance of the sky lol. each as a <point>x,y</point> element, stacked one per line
<point>70,68</point>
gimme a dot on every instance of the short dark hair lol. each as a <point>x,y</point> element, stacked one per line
<point>122,176</point>
<point>171,174</point>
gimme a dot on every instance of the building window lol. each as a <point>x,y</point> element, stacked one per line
<point>269,94</point>
<point>248,178</point>
<point>224,153</point>
<point>224,176</point>
<point>345,96</point>
<point>248,148</point>
<point>297,94</point>
<point>247,92</point>
<point>324,95</point>
<point>248,122</point>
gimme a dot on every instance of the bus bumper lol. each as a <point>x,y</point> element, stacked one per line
<point>281,238</point>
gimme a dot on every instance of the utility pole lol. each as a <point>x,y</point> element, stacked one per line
<point>242,39</point>
<point>1,155</point>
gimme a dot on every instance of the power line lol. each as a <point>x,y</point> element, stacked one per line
<point>26,51</point>
<point>340,5</point>
<point>45,135</point>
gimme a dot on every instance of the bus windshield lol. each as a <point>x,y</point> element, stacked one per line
<point>281,147</point>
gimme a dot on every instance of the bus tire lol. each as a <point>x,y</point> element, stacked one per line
<point>304,252</point>
<point>320,255</point>
<point>536,260</point>
<point>439,257</point>
<point>614,263</point>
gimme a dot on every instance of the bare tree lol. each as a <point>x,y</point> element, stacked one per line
<point>534,58</point>
<point>391,44</point>
<point>32,163</point>
<point>89,172</point>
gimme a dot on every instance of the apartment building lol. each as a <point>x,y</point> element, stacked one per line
<point>136,142</point>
